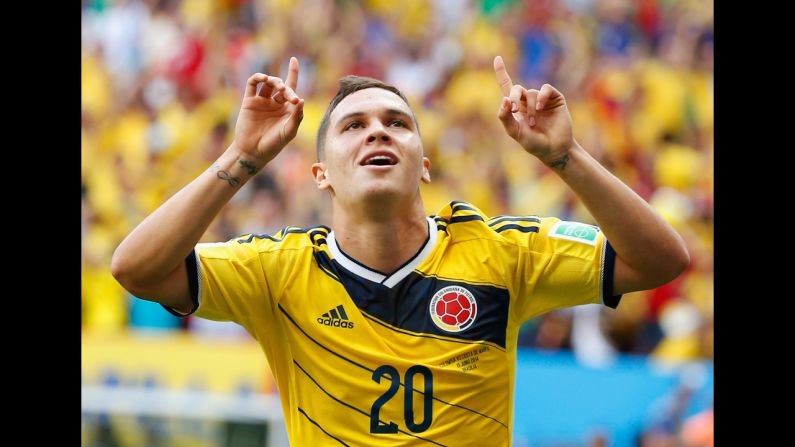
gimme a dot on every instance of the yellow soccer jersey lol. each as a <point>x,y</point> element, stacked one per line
<point>423,356</point>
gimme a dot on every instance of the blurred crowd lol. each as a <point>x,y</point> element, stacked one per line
<point>162,82</point>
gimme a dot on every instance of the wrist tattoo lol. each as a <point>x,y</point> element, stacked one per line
<point>225,175</point>
<point>560,162</point>
<point>250,167</point>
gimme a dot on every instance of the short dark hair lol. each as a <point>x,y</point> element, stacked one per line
<point>350,84</point>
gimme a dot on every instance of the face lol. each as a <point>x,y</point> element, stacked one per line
<point>372,150</point>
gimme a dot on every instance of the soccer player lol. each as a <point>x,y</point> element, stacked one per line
<point>393,327</point>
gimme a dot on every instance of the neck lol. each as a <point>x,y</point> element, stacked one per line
<point>383,240</point>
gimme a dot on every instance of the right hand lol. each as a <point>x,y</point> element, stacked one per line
<point>269,119</point>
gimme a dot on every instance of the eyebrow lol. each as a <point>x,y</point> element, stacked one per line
<point>388,112</point>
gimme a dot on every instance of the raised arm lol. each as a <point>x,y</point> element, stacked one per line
<point>150,261</point>
<point>649,253</point>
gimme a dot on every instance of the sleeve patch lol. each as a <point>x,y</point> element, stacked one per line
<point>575,231</point>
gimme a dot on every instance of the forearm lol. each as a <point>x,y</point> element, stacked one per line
<point>159,244</point>
<point>642,239</point>
<point>649,252</point>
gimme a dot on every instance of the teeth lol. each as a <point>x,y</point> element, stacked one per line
<point>378,158</point>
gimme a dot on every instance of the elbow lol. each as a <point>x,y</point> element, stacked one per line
<point>117,267</point>
<point>123,271</point>
<point>656,271</point>
<point>677,263</point>
<point>682,261</point>
<point>133,275</point>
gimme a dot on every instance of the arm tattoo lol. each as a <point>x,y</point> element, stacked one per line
<point>225,175</point>
<point>561,162</point>
<point>250,167</point>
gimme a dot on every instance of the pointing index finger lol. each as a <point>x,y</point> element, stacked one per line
<point>502,76</point>
<point>292,73</point>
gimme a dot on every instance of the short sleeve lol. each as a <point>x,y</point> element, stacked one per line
<point>226,281</point>
<point>562,264</point>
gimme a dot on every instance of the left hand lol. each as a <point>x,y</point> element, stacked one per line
<point>537,119</point>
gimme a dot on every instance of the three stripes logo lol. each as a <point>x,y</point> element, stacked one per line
<point>336,318</point>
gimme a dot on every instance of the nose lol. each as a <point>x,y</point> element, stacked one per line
<point>378,133</point>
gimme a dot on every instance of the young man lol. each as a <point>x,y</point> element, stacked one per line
<point>395,328</point>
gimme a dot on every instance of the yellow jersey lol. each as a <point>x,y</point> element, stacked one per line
<point>425,355</point>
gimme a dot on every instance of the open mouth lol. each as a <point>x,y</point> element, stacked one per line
<point>379,160</point>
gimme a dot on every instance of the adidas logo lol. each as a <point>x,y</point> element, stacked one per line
<point>336,318</point>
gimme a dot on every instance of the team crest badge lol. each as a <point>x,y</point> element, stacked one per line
<point>453,309</point>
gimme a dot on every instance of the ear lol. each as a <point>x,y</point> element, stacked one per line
<point>426,170</point>
<point>320,173</point>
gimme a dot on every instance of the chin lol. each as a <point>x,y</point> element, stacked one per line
<point>382,192</point>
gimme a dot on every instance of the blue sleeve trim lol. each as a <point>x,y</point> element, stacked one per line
<point>193,285</point>
<point>610,300</point>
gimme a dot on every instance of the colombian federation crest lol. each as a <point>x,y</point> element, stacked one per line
<point>453,309</point>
